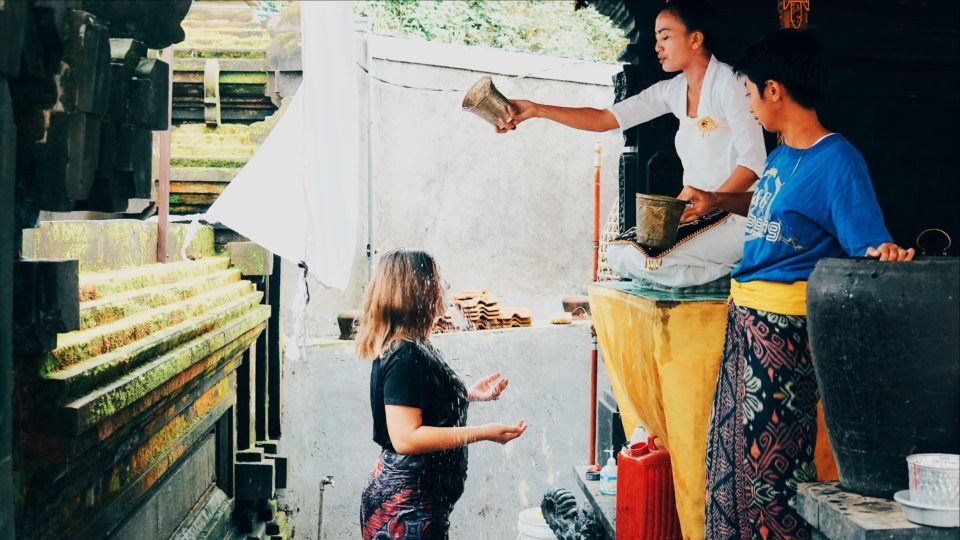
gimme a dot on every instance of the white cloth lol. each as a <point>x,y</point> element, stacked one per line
<point>704,258</point>
<point>298,195</point>
<point>708,158</point>
<point>731,137</point>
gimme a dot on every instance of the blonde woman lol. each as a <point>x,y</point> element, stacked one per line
<point>419,405</point>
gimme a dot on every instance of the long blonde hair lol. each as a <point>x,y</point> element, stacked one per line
<point>403,301</point>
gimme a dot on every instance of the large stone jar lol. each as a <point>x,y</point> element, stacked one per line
<point>887,356</point>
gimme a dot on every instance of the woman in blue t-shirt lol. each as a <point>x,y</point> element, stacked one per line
<point>419,405</point>
<point>814,200</point>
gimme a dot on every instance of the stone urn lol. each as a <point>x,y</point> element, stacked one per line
<point>348,321</point>
<point>886,351</point>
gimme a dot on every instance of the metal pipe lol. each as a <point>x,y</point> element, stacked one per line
<point>370,202</point>
<point>163,190</point>
<point>597,161</point>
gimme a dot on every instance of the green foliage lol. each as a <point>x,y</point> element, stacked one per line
<point>538,26</point>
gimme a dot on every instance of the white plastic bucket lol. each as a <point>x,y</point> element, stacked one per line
<point>532,526</point>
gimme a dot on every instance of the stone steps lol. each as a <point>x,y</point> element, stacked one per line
<point>227,341</point>
<point>187,209</point>
<point>179,140</point>
<point>79,378</point>
<point>202,174</point>
<point>126,304</point>
<point>74,348</point>
<point>95,285</point>
<point>213,50</point>
<point>212,151</point>
<point>193,199</point>
<point>197,188</point>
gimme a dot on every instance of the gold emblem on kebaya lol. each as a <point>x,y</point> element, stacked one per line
<point>706,125</point>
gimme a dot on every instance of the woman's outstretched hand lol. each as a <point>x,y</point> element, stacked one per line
<point>487,388</point>
<point>519,110</point>
<point>890,252</point>
<point>503,433</point>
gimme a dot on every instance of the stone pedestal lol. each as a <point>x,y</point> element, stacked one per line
<point>836,514</point>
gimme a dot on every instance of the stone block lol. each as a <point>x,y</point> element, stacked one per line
<point>111,188</point>
<point>249,456</point>
<point>57,11</point>
<point>46,302</point>
<point>157,24</point>
<point>119,86</point>
<point>127,53</point>
<point>149,94</point>
<point>67,159</point>
<point>134,154</point>
<point>142,162</point>
<point>287,83</point>
<point>836,514</point>
<point>40,60</point>
<point>280,466</point>
<point>13,20</point>
<point>211,92</point>
<point>254,481</point>
<point>267,511</point>
<point>268,447</point>
<point>250,258</point>
<point>273,528</point>
<point>86,61</point>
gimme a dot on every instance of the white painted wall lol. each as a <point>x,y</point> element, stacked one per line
<point>509,213</point>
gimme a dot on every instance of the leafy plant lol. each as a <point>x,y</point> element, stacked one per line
<point>537,26</point>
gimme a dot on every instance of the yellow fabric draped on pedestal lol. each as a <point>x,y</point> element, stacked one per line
<point>663,356</point>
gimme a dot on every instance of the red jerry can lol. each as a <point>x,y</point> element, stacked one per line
<point>646,505</point>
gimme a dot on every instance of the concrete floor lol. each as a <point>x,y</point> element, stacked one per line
<point>327,428</point>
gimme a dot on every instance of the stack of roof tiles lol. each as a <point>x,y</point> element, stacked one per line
<point>482,311</point>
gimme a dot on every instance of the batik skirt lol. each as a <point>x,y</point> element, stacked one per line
<point>763,428</point>
<point>410,497</point>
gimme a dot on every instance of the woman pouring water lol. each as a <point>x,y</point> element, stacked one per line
<point>719,143</point>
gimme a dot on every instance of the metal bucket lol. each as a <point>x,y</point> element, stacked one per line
<point>658,219</point>
<point>484,100</point>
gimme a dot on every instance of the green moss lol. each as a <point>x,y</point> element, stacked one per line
<point>82,379</point>
<point>207,162</point>
<point>242,77</point>
<point>76,347</point>
<point>134,386</point>
<point>221,53</point>
<point>119,306</point>
<point>94,285</point>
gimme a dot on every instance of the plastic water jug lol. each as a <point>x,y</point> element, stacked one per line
<point>646,506</point>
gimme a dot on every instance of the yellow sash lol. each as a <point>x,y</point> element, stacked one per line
<point>771,296</point>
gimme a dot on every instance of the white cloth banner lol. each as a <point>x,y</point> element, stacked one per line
<point>297,196</point>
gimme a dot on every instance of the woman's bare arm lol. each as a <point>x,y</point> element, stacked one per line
<point>409,436</point>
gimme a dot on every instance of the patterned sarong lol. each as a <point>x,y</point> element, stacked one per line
<point>405,498</point>
<point>763,429</point>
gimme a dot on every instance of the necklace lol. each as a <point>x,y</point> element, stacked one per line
<point>804,151</point>
<point>799,159</point>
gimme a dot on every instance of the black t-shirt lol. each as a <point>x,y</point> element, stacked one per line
<point>413,374</point>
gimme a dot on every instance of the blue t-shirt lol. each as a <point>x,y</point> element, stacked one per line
<point>809,204</point>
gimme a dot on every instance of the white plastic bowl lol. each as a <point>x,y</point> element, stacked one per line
<point>934,479</point>
<point>926,514</point>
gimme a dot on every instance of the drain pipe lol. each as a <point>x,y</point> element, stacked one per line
<point>597,160</point>
<point>367,30</point>
<point>163,189</point>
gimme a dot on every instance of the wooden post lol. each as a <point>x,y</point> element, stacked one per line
<point>163,191</point>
